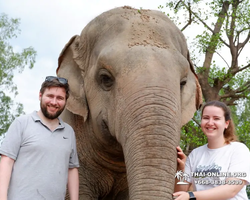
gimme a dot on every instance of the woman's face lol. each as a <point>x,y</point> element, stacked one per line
<point>213,122</point>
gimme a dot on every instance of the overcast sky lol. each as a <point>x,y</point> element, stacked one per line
<point>47,26</point>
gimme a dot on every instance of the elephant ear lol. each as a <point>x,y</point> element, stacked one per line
<point>191,103</point>
<point>69,69</point>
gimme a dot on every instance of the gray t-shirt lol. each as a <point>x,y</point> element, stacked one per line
<point>42,158</point>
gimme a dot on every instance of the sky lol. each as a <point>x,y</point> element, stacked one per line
<point>47,26</point>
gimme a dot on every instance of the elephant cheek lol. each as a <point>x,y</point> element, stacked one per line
<point>151,133</point>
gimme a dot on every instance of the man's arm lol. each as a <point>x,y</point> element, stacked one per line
<point>73,184</point>
<point>6,165</point>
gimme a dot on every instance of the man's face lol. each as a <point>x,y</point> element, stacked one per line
<point>52,102</point>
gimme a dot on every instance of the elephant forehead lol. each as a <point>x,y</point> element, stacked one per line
<point>121,60</point>
<point>135,28</point>
<point>115,53</point>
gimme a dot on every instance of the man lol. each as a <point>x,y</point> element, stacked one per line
<point>38,154</point>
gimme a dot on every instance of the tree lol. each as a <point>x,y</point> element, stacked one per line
<point>11,62</point>
<point>242,120</point>
<point>221,26</point>
<point>224,73</point>
<point>225,29</point>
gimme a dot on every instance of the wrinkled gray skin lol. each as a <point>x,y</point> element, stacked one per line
<point>132,88</point>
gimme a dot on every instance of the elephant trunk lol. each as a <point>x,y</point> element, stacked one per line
<point>151,131</point>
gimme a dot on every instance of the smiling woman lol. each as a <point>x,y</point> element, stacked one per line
<point>222,156</point>
<point>217,125</point>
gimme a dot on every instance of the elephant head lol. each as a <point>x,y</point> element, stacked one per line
<point>132,88</point>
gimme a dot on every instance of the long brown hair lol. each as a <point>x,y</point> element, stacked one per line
<point>229,132</point>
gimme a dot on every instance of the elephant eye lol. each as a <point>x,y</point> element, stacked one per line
<point>183,83</point>
<point>105,79</point>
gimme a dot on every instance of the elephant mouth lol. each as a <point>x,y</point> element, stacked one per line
<point>106,134</point>
<point>105,128</point>
<point>114,148</point>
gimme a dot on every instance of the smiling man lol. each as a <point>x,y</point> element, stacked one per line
<point>38,154</point>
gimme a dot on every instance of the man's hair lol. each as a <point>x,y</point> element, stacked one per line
<point>55,83</point>
<point>229,132</point>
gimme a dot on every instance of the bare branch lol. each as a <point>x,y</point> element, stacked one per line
<point>230,33</point>
<point>238,93</point>
<point>188,7</point>
<point>190,18</point>
<point>223,59</point>
<point>177,4</point>
<point>233,96</point>
<point>243,88</point>
<point>241,45</point>
<point>196,122</point>
<point>240,69</point>
<point>227,79</point>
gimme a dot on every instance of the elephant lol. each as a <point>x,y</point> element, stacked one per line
<point>132,88</point>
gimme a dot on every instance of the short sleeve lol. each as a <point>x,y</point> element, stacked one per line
<point>240,163</point>
<point>12,141</point>
<point>188,169</point>
<point>73,162</point>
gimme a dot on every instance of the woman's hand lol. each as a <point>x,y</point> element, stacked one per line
<point>181,159</point>
<point>181,196</point>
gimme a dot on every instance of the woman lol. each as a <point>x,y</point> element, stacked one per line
<point>221,168</point>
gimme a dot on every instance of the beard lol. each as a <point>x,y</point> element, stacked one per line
<point>49,115</point>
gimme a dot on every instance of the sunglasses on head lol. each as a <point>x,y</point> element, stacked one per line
<point>61,80</point>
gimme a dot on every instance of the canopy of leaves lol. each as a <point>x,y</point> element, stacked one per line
<point>10,62</point>
<point>221,36</point>
<point>222,32</point>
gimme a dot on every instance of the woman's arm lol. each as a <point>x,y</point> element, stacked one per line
<point>73,183</point>
<point>222,192</point>
<point>6,165</point>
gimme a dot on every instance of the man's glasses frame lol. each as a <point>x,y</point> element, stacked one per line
<point>61,80</point>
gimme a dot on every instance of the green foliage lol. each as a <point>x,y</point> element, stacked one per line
<point>11,62</point>
<point>192,135</point>
<point>248,191</point>
<point>242,121</point>
<point>221,29</point>
<point>206,41</point>
<point>244,133</point>
<point>7,114</point>
<point>218,25</point>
